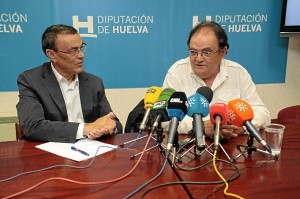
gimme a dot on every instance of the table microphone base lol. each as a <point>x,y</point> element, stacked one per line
<point>158,139</point>
<point>249,148</point>
<point>207,149</point>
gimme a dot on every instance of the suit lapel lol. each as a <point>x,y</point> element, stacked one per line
<point>86,95</point>
<point>51,84</point>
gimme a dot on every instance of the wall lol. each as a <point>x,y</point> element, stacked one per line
<point>275,96</point>
<point>278,96</point>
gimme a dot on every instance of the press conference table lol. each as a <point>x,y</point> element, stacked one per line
<point>275,179</point>
<point>20,156</point>
<point>278,178</point>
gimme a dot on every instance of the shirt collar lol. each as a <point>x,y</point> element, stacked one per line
<point>223,70</point>
<point>59,77</point>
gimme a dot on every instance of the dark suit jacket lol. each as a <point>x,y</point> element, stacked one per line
<point>41,108</point>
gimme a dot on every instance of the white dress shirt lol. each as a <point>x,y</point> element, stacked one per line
<point>232,82</point>
<point>72,100</point>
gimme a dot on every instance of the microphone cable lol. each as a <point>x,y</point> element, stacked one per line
<point>55,166</point>
<point>239,172</point>
<point>234,177</point>
<point>67,165</point>
<point>74,181</point>
<point>151,180</point>
<point>224,180</point>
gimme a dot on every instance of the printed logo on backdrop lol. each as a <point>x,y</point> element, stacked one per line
<point>112,25</point>
<point>12,23</point>
<point>238,23</point>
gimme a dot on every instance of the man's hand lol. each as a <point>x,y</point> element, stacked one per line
<point>102,126</point>
<point>208,128</point>
<point>227,131</point>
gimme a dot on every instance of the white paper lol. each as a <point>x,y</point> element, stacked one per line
<point>87,145</point>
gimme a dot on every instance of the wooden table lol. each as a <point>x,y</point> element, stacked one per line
<point>21,156</point>
<point>278,178</point>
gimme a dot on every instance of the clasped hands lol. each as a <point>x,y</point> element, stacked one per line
<point>227,131</point>
<point>102,126</point>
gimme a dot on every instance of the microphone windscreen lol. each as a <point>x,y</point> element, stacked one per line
<point>177,105</point>
<point>160,107</point>
<point>151,96</point>
<point>178,113</point>
<point>206,92</point>
<point>218,109</point>
<point>163,99</point>
<point>197,104</point>
<point>239,112</point>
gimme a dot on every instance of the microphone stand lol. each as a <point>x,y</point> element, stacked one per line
<point>141,130</point>
<point>195,150</point>
<point>250,148</point>
<point>158,139</point>
<point>135,139</point>
<point>207,149</point>
<point>175,147</point>
<point>148,129</point>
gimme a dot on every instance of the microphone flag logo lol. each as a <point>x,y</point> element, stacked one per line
<point>239,112</point>
<point>241,106</point>
<point>192,101</point>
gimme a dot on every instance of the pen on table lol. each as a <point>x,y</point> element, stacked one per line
<point>81,151</point>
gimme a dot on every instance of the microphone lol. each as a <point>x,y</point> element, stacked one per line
<point>206,92</point>
<point>199,110</point>
<point>177,109</point>
<point>218,116</point>
<point>198,107</point>
<point>241,113</point>
<point>151,97</point>
<point>159,109</point>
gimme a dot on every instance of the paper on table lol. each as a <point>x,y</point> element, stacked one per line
<point>87,145</point>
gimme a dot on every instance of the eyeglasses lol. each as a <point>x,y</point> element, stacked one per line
<point>203,53</point>
<point>74,51</point>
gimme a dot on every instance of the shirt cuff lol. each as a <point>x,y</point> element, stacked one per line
<point>79,134</point>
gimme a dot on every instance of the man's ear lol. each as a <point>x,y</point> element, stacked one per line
<point>50,53</point>
<point>224,51</point>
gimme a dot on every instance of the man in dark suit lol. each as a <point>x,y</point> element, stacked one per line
<point>58,101</point>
